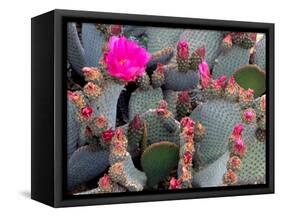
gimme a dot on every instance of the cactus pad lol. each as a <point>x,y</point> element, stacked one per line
<point>158,160</point>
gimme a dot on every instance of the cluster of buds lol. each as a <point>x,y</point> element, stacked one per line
<point>106,185</point>
<point>93,75</point>
<point>98,125</point>
<point>227,42</point>
<point>77,98</point>
<point>245,40</point>
<point>85,114</point>
<point>106,137</point>
<point>211,87</point>
<point>232,89</point>
<point>246,97</point>
<point>157,77</point>
<point>92,91</point>
<point>162,110</point>
<point>183,104</point>
<point>118,146</point>
<point>188,62</point>
<point>237,152</point>
<point>186,154</point>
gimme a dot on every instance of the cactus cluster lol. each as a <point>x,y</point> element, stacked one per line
<point>153,108</point>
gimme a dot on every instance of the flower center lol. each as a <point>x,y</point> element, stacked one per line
<point>122,62</point>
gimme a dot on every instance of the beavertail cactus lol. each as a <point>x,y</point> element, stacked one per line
<point>152,108</point>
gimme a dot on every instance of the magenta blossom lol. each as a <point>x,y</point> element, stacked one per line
<point>205,75</point>
<point>125,59</point>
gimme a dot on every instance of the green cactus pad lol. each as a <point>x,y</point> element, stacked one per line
<point>179,81</point>
<point>228,62</point>
<point>211,175</point>
<point>160,38</point>
<point>218,117</point>
<point>73,127</point>
<point>143,100</point>
<point>261,53</point>
<point>106,104</point>
<point>158,160</point>
<point>156,130</point>
<point>253,165</point>
<point>171,98</point>
<point>210,39</point>
<point>253,77</point>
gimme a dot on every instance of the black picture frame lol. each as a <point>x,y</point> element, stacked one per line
<point>48,37</point>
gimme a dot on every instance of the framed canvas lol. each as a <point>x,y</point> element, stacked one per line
<point>134,108</point>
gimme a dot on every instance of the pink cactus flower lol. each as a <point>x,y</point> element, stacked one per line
<point>107,135</point>
<point>220,82</point>
<point>205,75</point>
<point>237,131</point>
<point>86,112</point>
<point>182,50</point>
<point>249,115</point>
<point>125,59</point>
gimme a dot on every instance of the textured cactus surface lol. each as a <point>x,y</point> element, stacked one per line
<point>93,41</point>
<point>227,63</point>
<point>261,53</point>
<point>106,104</point>
<point>73,128</point>
<point>154,108</point>
<point>75,51</point>
<point>143,100</point>
<point>86,163</point>
<point>160,38</point>
<point>177,81</point>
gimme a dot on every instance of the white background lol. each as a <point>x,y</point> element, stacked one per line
<point>15,106</point>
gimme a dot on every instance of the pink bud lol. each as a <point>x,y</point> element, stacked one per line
<point>136,122</point>
<point>104,181</point>
<point>187,157</point>
<point>160,68</point>
<point>174,183</point>
<point>249,115</point>
<point>86,112</point>
<point>237,131</point>
<point>187,122</point>
<point>115,29</point>
<point>205,75</point>
<point>107,135</point>
<point>228,39</point>
<point>220,82</point>
<point>201,52</point>
<point>239,147</point>
<point>182,50</point>
<point>184,97</point>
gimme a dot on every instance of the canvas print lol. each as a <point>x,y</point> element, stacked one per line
<point>163,109</point>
